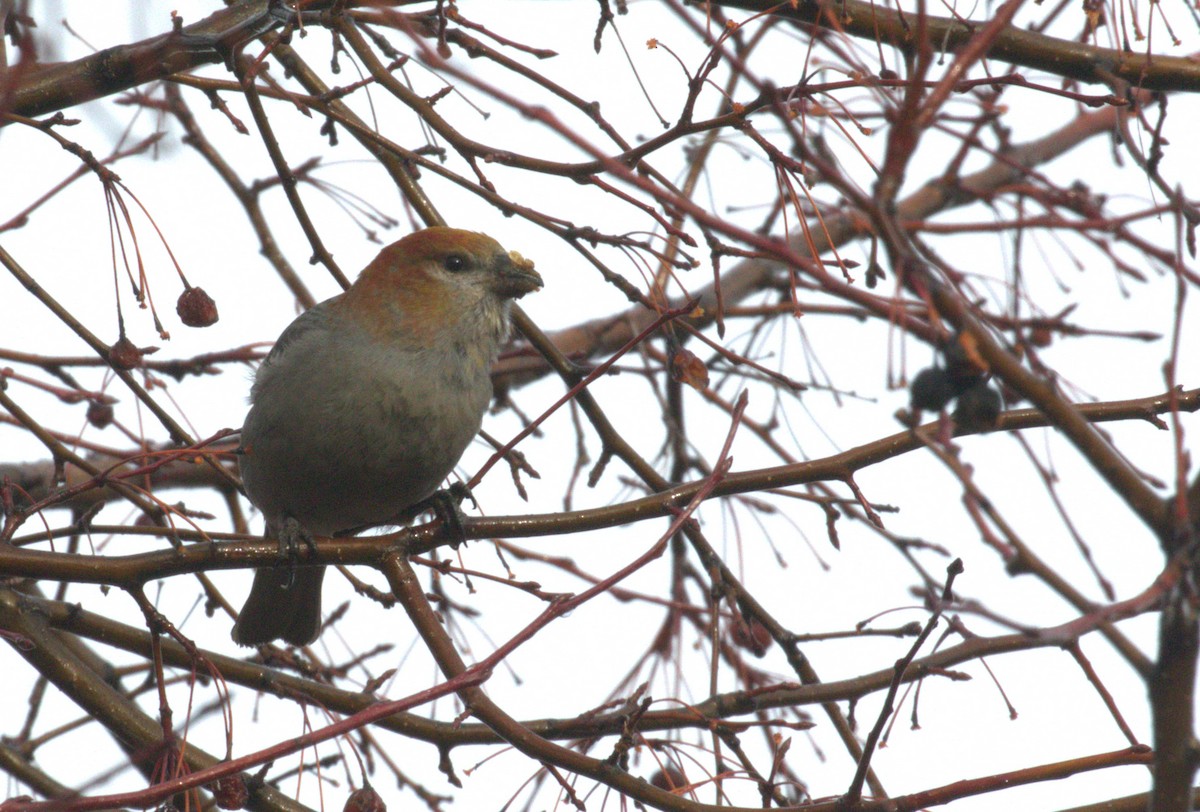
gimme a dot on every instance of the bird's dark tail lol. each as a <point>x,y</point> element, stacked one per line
<point>284,603</point>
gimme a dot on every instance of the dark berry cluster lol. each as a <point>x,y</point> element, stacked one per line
<point>962,376</point>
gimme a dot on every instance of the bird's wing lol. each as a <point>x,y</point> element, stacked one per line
<point>295,333</point>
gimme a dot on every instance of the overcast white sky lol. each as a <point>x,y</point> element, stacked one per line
<point>66,246</point>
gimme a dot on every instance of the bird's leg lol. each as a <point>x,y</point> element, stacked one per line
<point>291,535</point>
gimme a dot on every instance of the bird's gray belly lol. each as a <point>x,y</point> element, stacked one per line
<point>368,456</point>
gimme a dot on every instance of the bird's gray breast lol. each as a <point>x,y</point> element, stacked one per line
<point>377,430</point>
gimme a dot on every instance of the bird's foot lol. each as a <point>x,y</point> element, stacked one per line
<point>459,492</point>
<point>291,535</point>
<point>447,505</point>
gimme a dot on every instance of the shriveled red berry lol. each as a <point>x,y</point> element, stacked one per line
<point>231,792</point>
<point>751,635</point>
<point>364,800</point>
<point>196,308</point>
<point>1041,336</point>
<point>100,414</point>
<point>669,779</point>
<point>125,354</point>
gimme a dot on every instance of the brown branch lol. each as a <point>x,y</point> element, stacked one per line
<point>56,658</point>
<point>1059,57</point>
<point>421,539</point>
<point>748,277</point>
<point>720,708</point>
<point>49,88</point>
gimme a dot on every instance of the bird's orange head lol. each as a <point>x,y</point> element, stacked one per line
<point>439,279</point>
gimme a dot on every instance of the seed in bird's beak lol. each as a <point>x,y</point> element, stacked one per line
<point>520,262</point>
<point>517,276</point>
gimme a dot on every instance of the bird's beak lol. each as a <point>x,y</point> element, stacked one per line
<point>515,275</point>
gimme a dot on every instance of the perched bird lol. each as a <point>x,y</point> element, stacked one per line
<point>366,403</point>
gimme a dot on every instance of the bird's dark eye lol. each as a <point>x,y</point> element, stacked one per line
<point>454,263</point>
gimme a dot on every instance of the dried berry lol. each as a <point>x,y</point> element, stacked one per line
<point>364,800</point>
<point>669,779</point>
<point>196,308</point>
<point>125,354</point>
<point>931,390</point>
<point>750,635</point>
<point>1041,336</point>
<point>978,408</point>
<point>231,792</point>
<point>100,414</point>
<point>687,368</point>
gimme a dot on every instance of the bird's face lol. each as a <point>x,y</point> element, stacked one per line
<point>439,279</point>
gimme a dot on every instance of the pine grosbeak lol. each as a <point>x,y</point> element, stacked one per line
<point>366,403</point>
